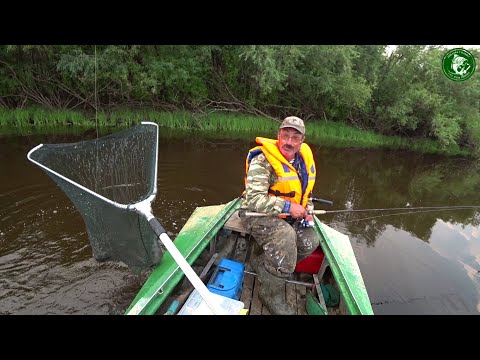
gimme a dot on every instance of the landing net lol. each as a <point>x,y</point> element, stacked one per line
<point>104,177</point>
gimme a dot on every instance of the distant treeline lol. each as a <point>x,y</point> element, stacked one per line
<point>404,94</point>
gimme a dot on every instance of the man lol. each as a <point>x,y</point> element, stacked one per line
<point>280,175</point>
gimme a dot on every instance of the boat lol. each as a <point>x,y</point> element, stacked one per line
<point>127,231</point>
<point>215,233</point>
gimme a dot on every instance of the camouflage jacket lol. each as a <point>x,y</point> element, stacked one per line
<point>260,177</point>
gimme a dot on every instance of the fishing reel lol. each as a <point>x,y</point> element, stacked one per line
<point>306,224</point>
<point>310,211</point>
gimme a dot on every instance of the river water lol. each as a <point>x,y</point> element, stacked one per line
<point>412,263</point>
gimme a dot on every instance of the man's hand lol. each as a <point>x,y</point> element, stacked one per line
<point>297,211</point>
<point>309,218</point>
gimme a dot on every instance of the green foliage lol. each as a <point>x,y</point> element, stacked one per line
<point>416,106</point>
<point>404,94</point>
<point>176,74</point>
<point>369,61</point>
<point>446,129</point>
<point>272,65</point>
<point>325,84</point>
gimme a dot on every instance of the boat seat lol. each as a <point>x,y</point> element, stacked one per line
<point>236,224</point>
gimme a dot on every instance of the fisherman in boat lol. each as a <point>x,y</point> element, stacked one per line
<point>280,175</point>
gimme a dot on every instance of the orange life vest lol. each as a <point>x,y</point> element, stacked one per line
<point>288,185</point>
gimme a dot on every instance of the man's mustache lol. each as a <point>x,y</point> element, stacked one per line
<point>287,147</point>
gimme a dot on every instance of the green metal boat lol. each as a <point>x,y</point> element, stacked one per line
<point>214,232</point>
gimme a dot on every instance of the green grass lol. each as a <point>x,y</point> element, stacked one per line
<point>42,118</point>
<point>212,125</point>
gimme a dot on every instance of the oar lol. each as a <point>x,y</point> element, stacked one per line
<point>145,209</point>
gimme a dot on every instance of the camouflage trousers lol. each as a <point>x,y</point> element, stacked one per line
<point>283,244</point>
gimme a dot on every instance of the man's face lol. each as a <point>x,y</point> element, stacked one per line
<point>289,142</point>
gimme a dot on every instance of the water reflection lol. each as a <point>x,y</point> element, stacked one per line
<point>386,179</point>
<point>414,263</point>
<point>412,277</point>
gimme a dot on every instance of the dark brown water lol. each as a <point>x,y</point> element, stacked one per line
<point>413,263</point>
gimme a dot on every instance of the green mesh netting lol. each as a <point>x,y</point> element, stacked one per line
<point>102,177</point>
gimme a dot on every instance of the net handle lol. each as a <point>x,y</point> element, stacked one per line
<point>144,209</point>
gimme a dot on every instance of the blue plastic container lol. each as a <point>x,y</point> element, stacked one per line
<point>227,279</point>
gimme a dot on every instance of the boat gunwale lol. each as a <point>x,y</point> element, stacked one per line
<point>354,306</point>
<point>151,296</point>
<point>147,301</point>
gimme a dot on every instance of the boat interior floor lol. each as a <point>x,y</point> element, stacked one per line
<point>234,243</point>
<point>241,247</point>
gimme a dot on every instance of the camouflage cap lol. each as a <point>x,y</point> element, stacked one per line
<point>293,122</point>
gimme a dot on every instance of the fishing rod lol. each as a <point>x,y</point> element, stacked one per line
<point>401,208</point>
<point>328,202</point>
<point>244,213</point>
<point>394,214</point>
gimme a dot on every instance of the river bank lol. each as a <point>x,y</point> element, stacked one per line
<point>210,125</point>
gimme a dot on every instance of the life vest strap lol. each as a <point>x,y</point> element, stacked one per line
<point>291,194</point>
